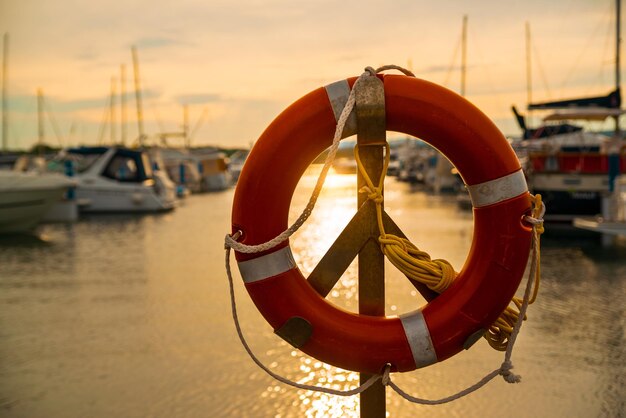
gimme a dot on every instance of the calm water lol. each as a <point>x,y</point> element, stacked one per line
<point>130,317</point>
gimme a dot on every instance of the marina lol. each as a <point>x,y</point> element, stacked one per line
<point>129,316</point>
<point>320,241</point>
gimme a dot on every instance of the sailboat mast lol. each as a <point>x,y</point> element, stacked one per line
<point>5,107</point>
<point>123,102</point>
<point>186,125</point>
<point>618,41</point>
<point>112,109</point>
<point>463,55</point>
<point>40,119</point>
<point>529,79</point>
<point>138,97</point>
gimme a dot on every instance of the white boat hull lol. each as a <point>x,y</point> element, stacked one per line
<point>25,199</point>
<point>116,198</point>
<point>120,180</point>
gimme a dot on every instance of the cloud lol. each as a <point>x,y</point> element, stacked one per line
<point>198,98</point>
<point>146,43</point>
<point>24,103</point>
<point>87,55</point>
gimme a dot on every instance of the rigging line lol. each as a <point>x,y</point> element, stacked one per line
<point>157,116</point>
<point>486,68</point>
<point>53,122</point>
<point>105,121</point>
<point>451,66</point>
<point>566,13</point>
<point>583,51</point>
<point>542,73</point>
<point>566,16</point>
<point>608,36</point>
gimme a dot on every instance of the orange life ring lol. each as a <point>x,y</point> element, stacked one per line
<point>484,286</point>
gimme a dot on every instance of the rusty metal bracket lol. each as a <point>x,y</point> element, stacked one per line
<point>370,112</point>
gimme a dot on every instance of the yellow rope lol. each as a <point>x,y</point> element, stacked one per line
<point>499,332</point>
<point>438,274</point>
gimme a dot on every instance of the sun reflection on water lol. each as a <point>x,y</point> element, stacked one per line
<point>335,208</point>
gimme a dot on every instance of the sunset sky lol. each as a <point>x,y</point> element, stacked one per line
<point>242,62</point>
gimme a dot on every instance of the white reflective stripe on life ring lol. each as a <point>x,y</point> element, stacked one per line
<point>338,93</point>
<point>498,190</point>
<point>419,339</point>
<point>268,265</point>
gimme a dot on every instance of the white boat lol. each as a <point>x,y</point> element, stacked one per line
<point>235,165</point>
<point>441,177</point>
<point>26,197</point>
<point>182,168</point>
<point>614,221</point>
<point>213,168</point>
<point>574,169</point>
<point>413,157</point>
<point>117,179</point>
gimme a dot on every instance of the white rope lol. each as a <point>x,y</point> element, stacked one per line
<point>341,122</point>
<point>505,368</point>
<point>258,362</point>
<point>231,242</point>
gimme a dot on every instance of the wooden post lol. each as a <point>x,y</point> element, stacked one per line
<point>371,137</point>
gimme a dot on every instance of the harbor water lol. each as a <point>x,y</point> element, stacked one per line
<point>129,316</point>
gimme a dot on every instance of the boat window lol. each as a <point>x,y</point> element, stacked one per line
<point>82,162</point>
<point>123,168</point>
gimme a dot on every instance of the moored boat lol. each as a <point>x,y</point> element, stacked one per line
<point>25,198</point>
<point>573,168</point>
<point>213,168</point>
<point>118,179</point>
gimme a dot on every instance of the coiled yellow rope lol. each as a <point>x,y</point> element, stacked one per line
<point>439,274</point>
<point>499,332</point>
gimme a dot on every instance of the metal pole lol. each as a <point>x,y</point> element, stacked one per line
<point>40,120</point>
<point>113,131</point>
<point>618,42</point>
<point>138,97</point>
<point>371,129</point>
<point>529,80</point>
<point>463,55</point>
<point>186,125</point>
<point>123,102</point>
<point>5,106</point>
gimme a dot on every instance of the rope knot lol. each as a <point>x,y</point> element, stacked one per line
<point>447,275</point>
<point>231,240</point>
<point>386,378</point>
<point>388,240</point>
<point>536,219</point>
<point>370,70</point>
<point>373,195</point>
<point>537,223</point>
<point>507,374</point>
